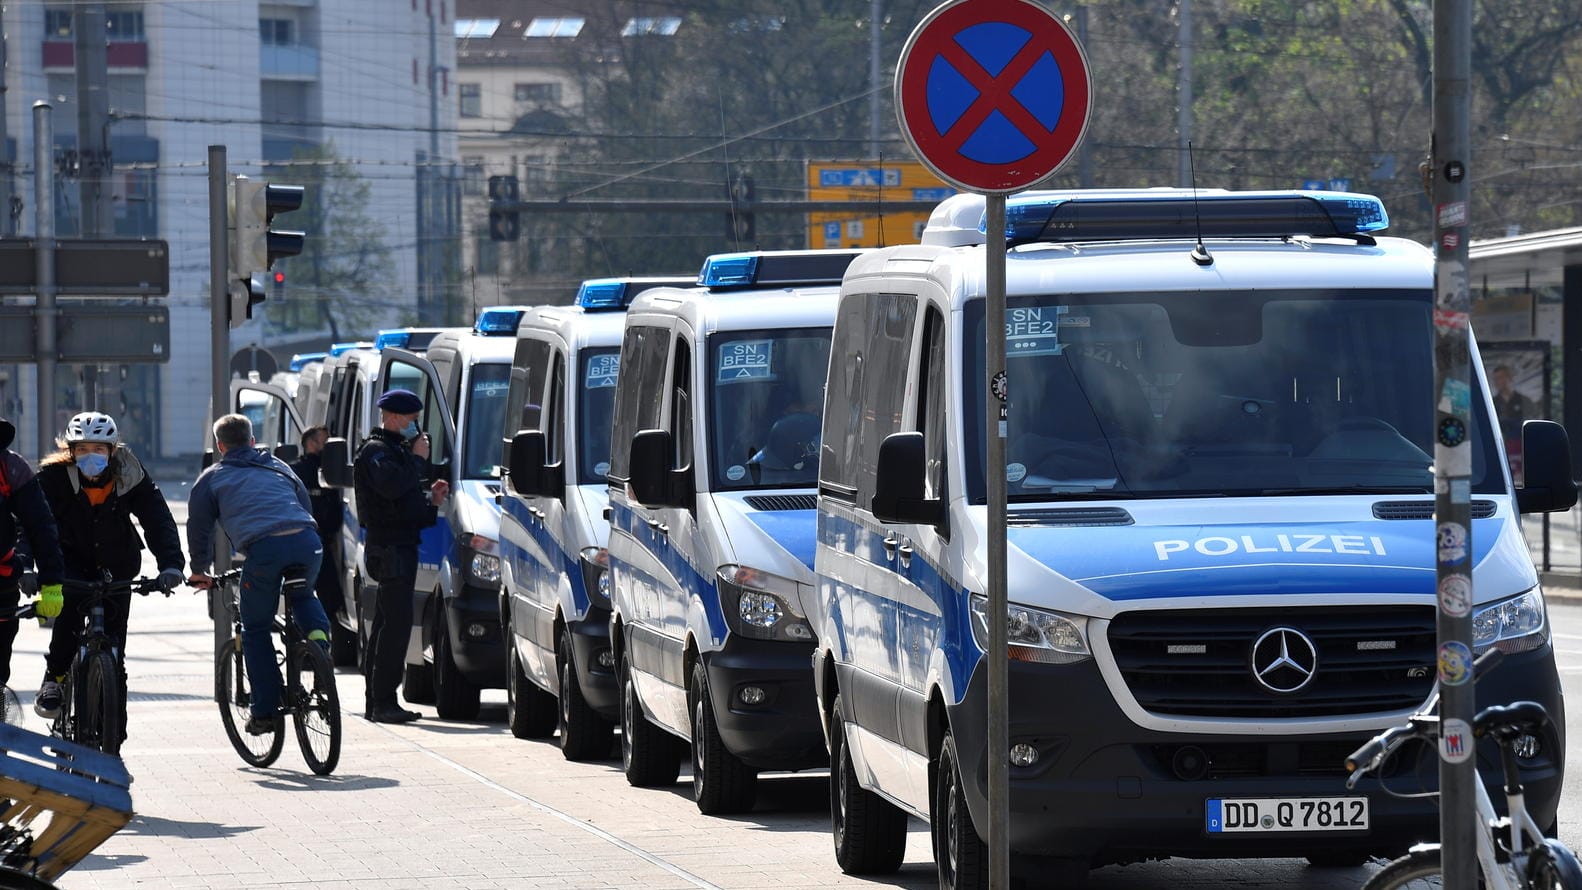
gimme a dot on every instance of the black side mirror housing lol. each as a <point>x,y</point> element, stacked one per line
<point>529,472</point>
<point>209,457</point>
<point>898,483</point>
<point>336,463</point>
<point>1547,486</point>
<point>652,471</point>
<point>287,453</point>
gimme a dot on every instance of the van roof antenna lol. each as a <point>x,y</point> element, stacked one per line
<point>1200,254</point>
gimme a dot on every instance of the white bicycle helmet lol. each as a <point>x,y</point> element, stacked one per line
<point>92,426</point>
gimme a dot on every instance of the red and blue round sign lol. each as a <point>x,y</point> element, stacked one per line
<point>993,95</point>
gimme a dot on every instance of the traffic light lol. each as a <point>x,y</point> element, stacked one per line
<point>740,227</point>
<point>504,224</point>
<point>255,243</point>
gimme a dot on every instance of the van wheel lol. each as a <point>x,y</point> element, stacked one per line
<point>584,734</point>
<point>721,783</point>
<point>649,755</point>
<point>455,697</point>
<point>959,853</point>
<point>870,832</point>
<point>530,711</point>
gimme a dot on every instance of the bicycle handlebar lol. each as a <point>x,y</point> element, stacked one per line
<point>1368,757</point>
<point>101,589</point>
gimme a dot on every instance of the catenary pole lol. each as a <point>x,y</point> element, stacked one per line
<point>44,309</point>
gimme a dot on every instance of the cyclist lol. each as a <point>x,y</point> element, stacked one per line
<point>265,511</point>
<point>26,520</point>
<point>95,486</point>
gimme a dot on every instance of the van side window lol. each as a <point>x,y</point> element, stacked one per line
<point>681,403</point>
<point>869,360</point>
<point>640,399</point>
<point>555,409</point>
<point>931,402</point>
<point>841,393</point>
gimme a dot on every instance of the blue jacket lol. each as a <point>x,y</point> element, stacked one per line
<point>251,494</point>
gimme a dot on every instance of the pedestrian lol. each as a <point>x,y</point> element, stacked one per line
<point>394,505</point>
<point>328,512</point>
<point>95,486</point>
<point>25,520</point>
<point>265,512</point>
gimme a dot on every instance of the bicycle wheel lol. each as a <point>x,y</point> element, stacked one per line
<point>316,708</point>
<point>235,701</point>
<point>1418,870</point>
<point>1553,867</point>
<point>99,718</point>
<point>11,879</point>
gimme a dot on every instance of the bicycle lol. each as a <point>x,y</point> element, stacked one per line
<point>315,710</point>
<point>1528,860</point>
<point>92,710</point>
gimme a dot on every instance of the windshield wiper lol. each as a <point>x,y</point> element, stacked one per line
<point>1339,489</point>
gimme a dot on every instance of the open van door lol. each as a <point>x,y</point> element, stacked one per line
<point>276,424</point>
<point>400,369</point>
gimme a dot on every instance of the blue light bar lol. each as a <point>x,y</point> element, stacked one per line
<point>338,348</point>
<point>499,321</point>
<point>1071,216</point>
<point>604,294</point>
<point>728,270</point>
<point>397,338</point>
<point>301,359</point>
<point>775,268</point>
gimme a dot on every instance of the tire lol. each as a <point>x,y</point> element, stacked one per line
<point>1553,867</point>
<point>417,684</point>
<point>870,832</point>
<point>529,711</point>
<point>585,734</point>
<point>343,645</point>
<point>649,755</point>
<point>99,723</point>
<point>235,695</point>
<point>960,854</point>
<point>316,708</point>
<point>1419,869</point>
<point>1338,859</point>
<point>455,697</point>
<point>11,879</point>
<point>721,783</point>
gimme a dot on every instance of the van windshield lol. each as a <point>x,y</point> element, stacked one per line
<point>766,394</point>
<point>486,395</point>
<point>1229,393</point>
<point>595,413</point>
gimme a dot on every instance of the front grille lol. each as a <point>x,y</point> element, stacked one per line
<point>1199,663</point>
<point>782,501</point>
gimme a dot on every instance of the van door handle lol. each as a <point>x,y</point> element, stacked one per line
<point>906,555</point>
<point>654,524</point>
<point>663,529</point>
<point>890,545</point>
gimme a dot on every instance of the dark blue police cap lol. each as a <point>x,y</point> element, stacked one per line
<point>401,401</point>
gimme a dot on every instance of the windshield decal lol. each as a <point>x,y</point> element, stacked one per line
<point>1034,330</point>
<point>746,360</point>
<point>603,371</point>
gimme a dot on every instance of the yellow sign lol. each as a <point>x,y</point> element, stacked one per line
<point>868,181</point>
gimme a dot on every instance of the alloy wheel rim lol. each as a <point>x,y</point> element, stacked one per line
<point>699,757</point>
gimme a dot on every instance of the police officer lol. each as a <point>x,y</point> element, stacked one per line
<point>394,505</point>
<point>327,512</point>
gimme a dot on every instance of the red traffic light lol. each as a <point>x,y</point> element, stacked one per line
<point>280,277</point>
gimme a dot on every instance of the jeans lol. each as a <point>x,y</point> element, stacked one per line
<point>394,568</point>
<point>261,583</point>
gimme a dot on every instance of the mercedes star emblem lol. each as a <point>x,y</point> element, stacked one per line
<point>1283,660</point>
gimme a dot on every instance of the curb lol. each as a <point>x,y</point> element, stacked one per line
<point>1562,587</point>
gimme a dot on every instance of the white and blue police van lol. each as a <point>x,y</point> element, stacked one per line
<point>554,598</point>
<point>711,487</point>
<point>1221,544</point>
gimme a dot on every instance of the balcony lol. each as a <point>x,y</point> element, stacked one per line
<point>60,55</point>
<point>291,62</point>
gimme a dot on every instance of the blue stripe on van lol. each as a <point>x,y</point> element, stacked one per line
<point>794,530</point>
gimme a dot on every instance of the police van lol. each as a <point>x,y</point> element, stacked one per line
<point>1221,546</point>
<point>554,601</point>
<point>712,467</point>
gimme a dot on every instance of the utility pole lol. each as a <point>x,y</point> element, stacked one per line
<point>93,149</point>
<point>1184,97</point>
<point>1449,159</point>
<point>875,18</point>
<point>7,222</point>
<point>1085,150</point>
<point>219,370</point>
<point>44,232</point>
<point>428,237</point>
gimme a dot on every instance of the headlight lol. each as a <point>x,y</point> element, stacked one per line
<point>762,605</point>
<point>1034,634</point>
<point>1514,625</point>
<point>596,575</point>
<point>484,565</point>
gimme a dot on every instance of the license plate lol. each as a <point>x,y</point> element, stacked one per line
<point>1276,814</point>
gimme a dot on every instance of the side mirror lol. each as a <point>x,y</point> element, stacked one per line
<point>530,475</point>
<point>652,469</point>
<point>1547,486</point>
<point>898,483</point>
<point>336,463</point>
<point>287,453</point>
<point>209,457</point>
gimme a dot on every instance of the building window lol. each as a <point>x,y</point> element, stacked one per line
<point>662,26</point>
<point>277,32</point>
<point>124,27</point>
<point>487,259</point>
<point>471,96</point>
<point>541,93</point>
<point>476,28</point>
<point>57,24</point>
<point>564,26</point>
<point>472,174</point>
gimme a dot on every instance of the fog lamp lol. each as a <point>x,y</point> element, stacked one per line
<point>1023,754</point>
<point>606,658</point>
<point>477,630</point>
<point>1527,747</point>
<point>752,695</point>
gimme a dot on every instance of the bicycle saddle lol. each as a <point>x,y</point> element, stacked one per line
<point>1506,722</point>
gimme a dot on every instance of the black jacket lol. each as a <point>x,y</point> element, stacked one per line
<point>389,481</point>
<point>26,512</point>
<point>103,538</point>
<point>327,506</point>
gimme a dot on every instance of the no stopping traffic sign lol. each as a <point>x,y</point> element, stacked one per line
<point>993,95</point>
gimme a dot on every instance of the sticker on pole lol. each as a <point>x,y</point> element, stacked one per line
<point>993,95</point>
<point>1455,741</point>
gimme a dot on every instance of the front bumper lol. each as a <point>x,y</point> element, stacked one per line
<point>479,655</point>
<point>781,733</point>
<point>1106,790</point>
<point>590,639</point>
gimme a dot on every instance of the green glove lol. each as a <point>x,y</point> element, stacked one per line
<point>50,600</point>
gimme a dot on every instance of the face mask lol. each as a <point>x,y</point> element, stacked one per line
<point>410,431</point>
<point>91,465</point>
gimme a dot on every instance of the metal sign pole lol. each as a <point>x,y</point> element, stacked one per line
<point>1452,447</point>
<point>44,256</point>
<point>995,659</point>
<point>219,369</point>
